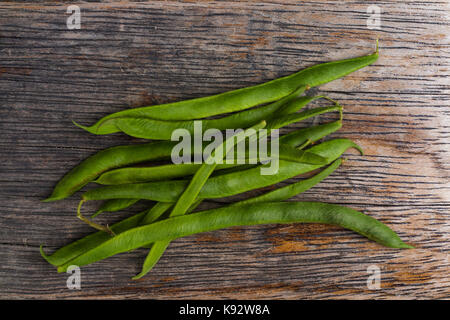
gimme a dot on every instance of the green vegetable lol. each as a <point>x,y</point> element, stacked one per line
<point>121,156</point>
<point>191,192</point>
<point>162,130</point>
<point>154,229</point>
<point>107,159</point>
<point>171,171</point>
<point>239,99</point>
<point>243,215</point>
<point>294,189</point>
<point>222,185</point>
<point>277,195</point>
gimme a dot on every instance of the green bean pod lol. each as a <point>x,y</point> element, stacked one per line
<point>121,156</point>
<point>114,205</point>
<point>76,248</point>
<point>107,159</point>
<point>188,196</point>
<point>172,171</point>
<point>281,194</point>
<point>285,120</point>
<point>147,128</point>
<point>240,99</point>
<point>162,130</point>
<point>222,185</point>
<point>294,189</point>
<point>313,134</point>
<point>243,215</point>
<point>155,173</point>
<point>85,244</point>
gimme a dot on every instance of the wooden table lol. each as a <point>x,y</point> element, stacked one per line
<point>128,55</point>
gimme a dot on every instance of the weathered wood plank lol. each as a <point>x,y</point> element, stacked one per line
<point>134,54</point>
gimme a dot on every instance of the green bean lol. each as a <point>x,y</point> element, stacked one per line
<point>286,120</point>
<point>294,189</point>
<point>80,246</point>
<point>157,249</point>
<point>313,134</point>
<point>156,212</point>
<point>192,190</point>
<point>155,173</point>
<point>113,205</point>
<point>107,159</point>
<point>276,195</point>
<point>76,248</point>
<point>147,128</point>
<point>223,185</point>
<point>171,171</point>
<point>244,215</point>
<point>242,98</point>
<point>120,156</point>
<point>162,130</point>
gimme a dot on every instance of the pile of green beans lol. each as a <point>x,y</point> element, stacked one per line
<point>178,189</point>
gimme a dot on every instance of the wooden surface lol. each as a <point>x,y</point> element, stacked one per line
<point>128,55</point>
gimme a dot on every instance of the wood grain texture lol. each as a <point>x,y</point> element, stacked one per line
<point>133,54</point>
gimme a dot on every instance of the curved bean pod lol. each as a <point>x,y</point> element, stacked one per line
<point>147,128</point>
<point>76,248</point>
<point>277,195</point>
<point>294,189</point>
<point>250,214</point>
<point>87,243</point>
<point>162,130</point>
<point>313,134</point>
<point>171,171</point>
<point>242,98</point>
<point>110,158</point>
<point>286,120</point>
<point>155,173</point>
<point>121,156</point>
<point>192,190</point>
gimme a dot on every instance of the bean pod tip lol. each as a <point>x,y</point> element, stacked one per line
<point>88,129</point>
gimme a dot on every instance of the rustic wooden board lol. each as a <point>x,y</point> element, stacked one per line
<point>128,55</point>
